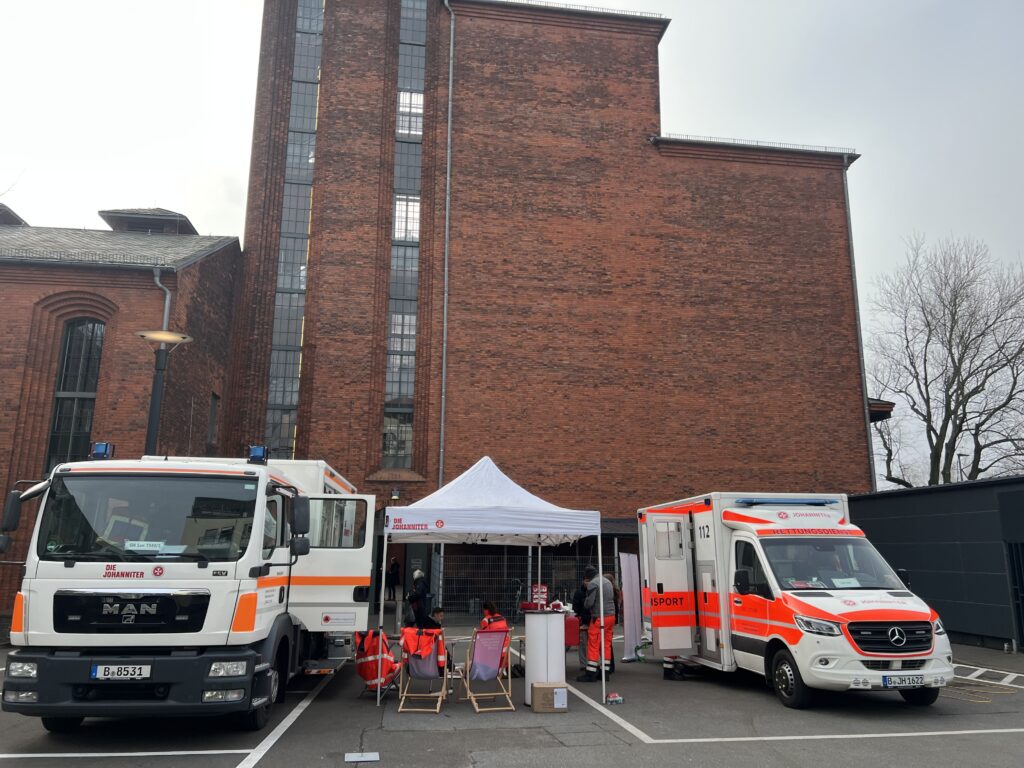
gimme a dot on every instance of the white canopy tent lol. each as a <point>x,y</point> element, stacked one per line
<point>484,506</point>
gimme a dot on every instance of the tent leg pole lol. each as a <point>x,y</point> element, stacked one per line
<point>529,575</point>
<point>600,599</point>
<point>540,578</point>
<point>380,617</point>
<point>440,579</point>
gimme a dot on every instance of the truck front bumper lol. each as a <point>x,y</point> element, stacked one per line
<point>64,685</point>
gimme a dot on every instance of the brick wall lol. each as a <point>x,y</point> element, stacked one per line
<point>630,322</point>
<point>32,317</point>
<point>250,355</point>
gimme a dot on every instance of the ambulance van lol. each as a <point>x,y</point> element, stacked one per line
<point>169,586</point>
<point>785,586</point>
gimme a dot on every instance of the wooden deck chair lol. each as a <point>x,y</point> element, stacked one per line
<point>424,661</point>
<point>487,676</point>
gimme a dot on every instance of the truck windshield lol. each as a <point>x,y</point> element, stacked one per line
<point>823,563</point>
<point>120,518</point>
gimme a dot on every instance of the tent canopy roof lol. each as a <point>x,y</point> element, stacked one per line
<point>484,506</point>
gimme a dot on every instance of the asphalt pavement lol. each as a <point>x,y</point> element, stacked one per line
<point>710,719</point>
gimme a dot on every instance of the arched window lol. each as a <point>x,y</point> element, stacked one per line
<point>78,373</point>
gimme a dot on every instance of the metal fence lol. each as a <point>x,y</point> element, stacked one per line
<point>503,575</point>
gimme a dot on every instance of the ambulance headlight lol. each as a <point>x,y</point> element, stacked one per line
<point>22,669</point>
<point>227,668</point>
<point>939,629</point>
<point>817,626</point>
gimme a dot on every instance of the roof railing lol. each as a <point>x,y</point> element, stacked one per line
<point>758,143</point>
<point>580,8</point>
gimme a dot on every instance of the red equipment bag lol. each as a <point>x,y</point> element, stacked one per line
<point>368,651</point>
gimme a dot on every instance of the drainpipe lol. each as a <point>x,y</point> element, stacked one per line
<point>157,396</point>
<point>447,242</point>
<point>860,333</point>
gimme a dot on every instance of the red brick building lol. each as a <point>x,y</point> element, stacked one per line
<point>615,316</point>
<point>72,369</point>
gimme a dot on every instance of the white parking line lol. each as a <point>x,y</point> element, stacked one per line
<point>184,753</point>
<point>264,746</point>
<point>979,671</point>
<point>841,736</point>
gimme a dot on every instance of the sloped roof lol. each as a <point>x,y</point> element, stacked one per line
<point>9,217</point>
<point>116,217</point>
<point>132,250</point>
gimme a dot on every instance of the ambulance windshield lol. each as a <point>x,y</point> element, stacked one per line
<point>828,563</point>
<point>119,518</point>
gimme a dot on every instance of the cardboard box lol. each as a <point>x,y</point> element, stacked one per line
<point>550,697</point>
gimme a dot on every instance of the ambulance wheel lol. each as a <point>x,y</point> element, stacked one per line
<point>920,697</point>
<point>787,683</point>
<point>62,724</point>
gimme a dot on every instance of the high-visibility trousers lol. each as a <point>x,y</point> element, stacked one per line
<point>600,629</point>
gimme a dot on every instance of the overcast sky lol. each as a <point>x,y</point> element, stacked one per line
<point>132,103</point>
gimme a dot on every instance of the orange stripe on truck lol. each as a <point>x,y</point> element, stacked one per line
<point>18,614</point>
<point>736,517</point>
<point>245,613</point>
<point>313,581</point>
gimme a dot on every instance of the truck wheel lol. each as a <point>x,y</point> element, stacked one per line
<point>920,697</point>
<point>62,724</point>
<point>257,719</point>
<point>787,683</point>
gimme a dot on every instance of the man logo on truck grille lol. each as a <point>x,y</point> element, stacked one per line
<point>897,637</point>
<point>130,609</point>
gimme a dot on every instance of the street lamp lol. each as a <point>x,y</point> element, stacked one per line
<point>163,338</point>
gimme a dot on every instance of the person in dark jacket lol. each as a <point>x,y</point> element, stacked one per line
<point>393,577</point>
<point>419,599</point>
<point>578,599</point>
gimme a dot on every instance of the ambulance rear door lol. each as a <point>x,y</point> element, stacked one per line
<point>669,569</point>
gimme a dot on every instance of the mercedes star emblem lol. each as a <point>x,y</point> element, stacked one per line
<point>897,636</point>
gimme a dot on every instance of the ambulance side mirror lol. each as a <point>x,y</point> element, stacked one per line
<point>742,582</point>
<point>300,515</point>
<point>299,546</point>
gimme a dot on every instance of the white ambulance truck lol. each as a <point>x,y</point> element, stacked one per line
<point>785,586</point>
<point>184,586</point>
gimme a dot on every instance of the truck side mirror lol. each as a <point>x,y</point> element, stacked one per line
<point>5,543</point>
<point>742,581</point>
<point>300,515</point>
<point>299,546</point>
<point>12,512</point>
<point>904,575</point>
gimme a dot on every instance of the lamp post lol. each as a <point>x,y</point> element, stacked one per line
<point>163,338</point>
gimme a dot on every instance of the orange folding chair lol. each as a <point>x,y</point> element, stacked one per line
<point>424,662</point>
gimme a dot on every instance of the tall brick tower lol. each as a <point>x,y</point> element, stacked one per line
<point>615,316</point>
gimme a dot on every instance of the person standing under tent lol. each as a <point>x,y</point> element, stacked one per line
<point>578,598</point>
<point>602,624</point>
<point>393,577</point>
<point>419,599</point>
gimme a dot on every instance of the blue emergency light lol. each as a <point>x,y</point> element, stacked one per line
<point>258,454</point>
<point>102,451</point>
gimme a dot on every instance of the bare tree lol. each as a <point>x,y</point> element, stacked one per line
<point>949,346</point>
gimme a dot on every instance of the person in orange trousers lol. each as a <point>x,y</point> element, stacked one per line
<point>602,625</point>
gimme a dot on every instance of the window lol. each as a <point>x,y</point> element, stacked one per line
<point>211,425</point>
<point>407,166</point>
<point>413,24</point>
<point>410,114</point>
<point>397,438</point>
<point>288,313</point>
<point>273,527</point>
<point>301,154</point>
<point>339,524</point>
<point>303,107</point>
<point>407,218</point>
<point>668,541</point>
<point>747,560</point>
<point>77,379</point>
<point>411,65</point>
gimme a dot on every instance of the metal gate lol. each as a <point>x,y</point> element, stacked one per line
<point>1015,559</point>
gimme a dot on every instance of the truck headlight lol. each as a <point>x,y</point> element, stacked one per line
<point>18,696</point>
<point>939,629</point>
<point>817,626</point>
<point>22,669</point>
<point>236,694</point>
<point>228,668</point>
